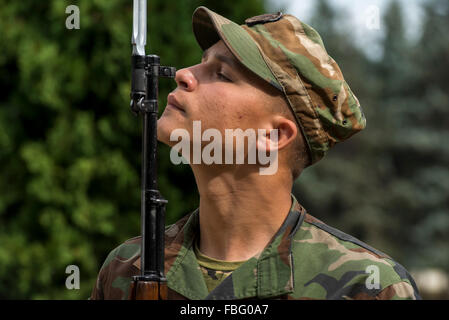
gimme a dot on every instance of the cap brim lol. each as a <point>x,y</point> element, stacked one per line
<point>205,31</point>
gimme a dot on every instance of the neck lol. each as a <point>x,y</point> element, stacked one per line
<point>240,211</point>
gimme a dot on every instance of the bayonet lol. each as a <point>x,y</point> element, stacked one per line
<point>139,35</point>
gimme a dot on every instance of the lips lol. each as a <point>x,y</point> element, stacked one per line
<point>171,100</point>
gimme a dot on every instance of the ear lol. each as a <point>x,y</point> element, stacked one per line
<point>283,133</point>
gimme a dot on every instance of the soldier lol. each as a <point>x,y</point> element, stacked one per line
<point>250,238</point>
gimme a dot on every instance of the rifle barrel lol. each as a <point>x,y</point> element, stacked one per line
<point>145,73</point>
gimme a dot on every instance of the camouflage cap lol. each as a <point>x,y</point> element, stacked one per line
<point>291,56</point>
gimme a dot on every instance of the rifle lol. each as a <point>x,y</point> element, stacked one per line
<point>151,284</point>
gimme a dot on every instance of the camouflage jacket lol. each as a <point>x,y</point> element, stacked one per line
<point>306,259</point>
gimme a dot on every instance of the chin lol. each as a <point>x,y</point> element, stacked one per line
<point>164,129</point>
<point>162,134</point>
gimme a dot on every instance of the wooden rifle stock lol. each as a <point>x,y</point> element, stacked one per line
<point>148,290</point>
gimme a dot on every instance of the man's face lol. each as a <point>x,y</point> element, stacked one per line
<point>219,92</point>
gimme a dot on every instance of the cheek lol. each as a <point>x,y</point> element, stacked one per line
<point>247,111</point>
<point>216,110</point>
<point>230,108</point>
<point>245,116</point>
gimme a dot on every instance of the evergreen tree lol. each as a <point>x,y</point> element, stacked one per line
<point>423,151</point>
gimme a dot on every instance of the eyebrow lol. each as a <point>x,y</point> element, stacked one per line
<point>225,59</point>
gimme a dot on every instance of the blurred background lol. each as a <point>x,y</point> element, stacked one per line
<point>70,147</point>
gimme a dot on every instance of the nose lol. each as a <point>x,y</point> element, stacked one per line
<point>186,79</point>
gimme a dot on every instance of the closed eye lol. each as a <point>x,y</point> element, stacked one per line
<point>223,77</point>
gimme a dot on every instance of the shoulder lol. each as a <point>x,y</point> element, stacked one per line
<point>125,251</point>
<point>334,265</point>
<point>130,249</point>
<point>128,252</point>
<point>123,262</point>
<point>113,280</point>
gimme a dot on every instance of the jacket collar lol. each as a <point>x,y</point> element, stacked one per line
<point>269,274</point>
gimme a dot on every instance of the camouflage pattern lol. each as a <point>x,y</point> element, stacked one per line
<point>213,277</point>
<point>306,259</point>
<point>214,271</point>
<point>291,56</point>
